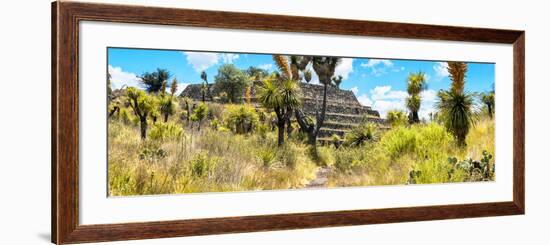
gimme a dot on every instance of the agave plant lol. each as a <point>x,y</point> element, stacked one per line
<point>360,135</point>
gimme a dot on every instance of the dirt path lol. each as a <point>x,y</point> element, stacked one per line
<point>321,179</point>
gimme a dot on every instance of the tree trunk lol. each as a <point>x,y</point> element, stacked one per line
<point>143,127</point>
<point>490,109</point>
<point>288,122</point>
<point>416,119</point>
<point>166,117</point>
<point>280,132</point>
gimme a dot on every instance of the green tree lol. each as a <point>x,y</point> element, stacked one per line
<point>456,107</point>
<point>396,117</point>
<point>142,104</point>
<point>489,100</point>
<point>153,81</point>
<point>257,74</point>
<point>280,94</point>
<point>416,83</point>
<point>232,81</point>
<point>199,114</point>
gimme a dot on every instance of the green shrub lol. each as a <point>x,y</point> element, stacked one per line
<point>360,135</point>
<point>267,157</point>
<point>241,118</point>
<point>201,165</point>
<point>325,156</point>
<point>166,131</point>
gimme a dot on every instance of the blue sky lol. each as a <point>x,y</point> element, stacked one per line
<point>380,83</point>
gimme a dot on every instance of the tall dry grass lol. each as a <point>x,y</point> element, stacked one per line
<point>205,161</point>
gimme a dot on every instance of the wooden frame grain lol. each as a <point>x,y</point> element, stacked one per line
<point>65,120</point>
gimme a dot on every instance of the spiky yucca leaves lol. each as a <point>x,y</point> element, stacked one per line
<point>457,108</point>
<point>360,135</point>
<point>324,67</point>
<point>396,118</point>
<point>307,75</point>
<point>457,73</point>
<point>416,83</point>
<point>167,106</point>
<point>281,96</point>
<point>457,113</point>
<point>336,81</point>
<point>142,104</point>
<point>489,100</point>
<point>199,114</point>
<point>173,87</point>
<point>241,118</point>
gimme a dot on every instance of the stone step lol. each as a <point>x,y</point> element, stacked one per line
<point>328,132</point>
<point>339,125</point>
<point>309,105</point>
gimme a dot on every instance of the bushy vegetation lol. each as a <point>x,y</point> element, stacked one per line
<point>229,141</point>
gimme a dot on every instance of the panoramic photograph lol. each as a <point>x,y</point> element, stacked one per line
<point>198,121</point>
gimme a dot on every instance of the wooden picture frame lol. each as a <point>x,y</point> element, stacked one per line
<point>65,121</point>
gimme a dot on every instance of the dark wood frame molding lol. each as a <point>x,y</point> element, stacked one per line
<point>65,136</point>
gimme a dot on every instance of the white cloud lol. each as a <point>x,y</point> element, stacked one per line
<point>229,58</point>
<point>364,100</point>
<point>120,78</point>
<point>201,60</point>
<point>383,106</point>
<point>355,90</point>
<point>379,67</point>
<point>266,66</point>
<point>344,68</point>
<point>440,69</point>
<point>375,62</point>
<point>384,99</point>
<point>386,93</point>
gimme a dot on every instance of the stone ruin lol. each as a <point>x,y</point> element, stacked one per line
<point>344,111</point>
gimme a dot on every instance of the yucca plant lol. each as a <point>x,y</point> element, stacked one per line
<point>143,105</point>
<point>456,107</point>
<point>167,106</point>
<point>199,114</point>
<point>416,83</point>
<point>360,135</point>
<point>489,100</point>
<point>307,76</point>
<point>281,95</point>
